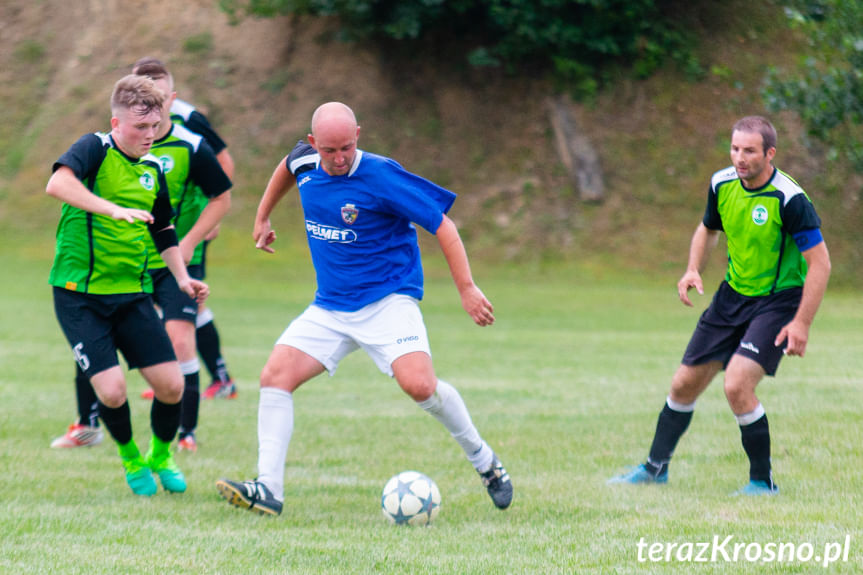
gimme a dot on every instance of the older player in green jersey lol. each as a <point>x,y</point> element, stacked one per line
<point>207,336</point>
<point>778,267</point>
<point>200,196</point>
<point>114,197</point>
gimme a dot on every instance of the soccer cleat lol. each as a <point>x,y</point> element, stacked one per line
<point>139,477</point>
<point>148,393</point>
<point>221,390</point>
<point>757,487</point>
<point>162,464</point>
<point>497,483</point>
<point>188,443</point>
<point>79,435</point>
<point>251,495</point>
<point>639,475</point>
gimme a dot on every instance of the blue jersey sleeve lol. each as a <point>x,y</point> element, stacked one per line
<point>414,197</point>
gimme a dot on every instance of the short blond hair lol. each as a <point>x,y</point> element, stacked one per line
<point>138,93</point>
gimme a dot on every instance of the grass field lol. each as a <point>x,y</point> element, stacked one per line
<point>566,387</point>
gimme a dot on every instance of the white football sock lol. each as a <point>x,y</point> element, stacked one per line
<point>190,367</point>
<point>203,318</point>
<point>447,406</point>
<point>275,426</point>
<point>751,417</point>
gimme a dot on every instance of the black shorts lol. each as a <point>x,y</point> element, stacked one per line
<point>174,303</point>
<point>743,325</point>
<point>96,326</point>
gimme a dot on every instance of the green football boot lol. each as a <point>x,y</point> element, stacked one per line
<point>161,462</point>
<point>138,474</point>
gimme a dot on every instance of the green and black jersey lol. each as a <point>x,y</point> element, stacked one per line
<point>95,253</point>
<point>194,176</point>
<point>761,226</point>
<point>187,115</point>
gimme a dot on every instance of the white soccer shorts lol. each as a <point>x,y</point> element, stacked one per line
<point>386,329</point>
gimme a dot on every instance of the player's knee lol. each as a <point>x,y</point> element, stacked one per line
<point>171,392</point>
<point>110,387</point>
<point>182,335</point>
<point>683,390</point>
<point>113,397</point>
<point>278,377</point>
<point>419,389</point>
<point>738,395</point>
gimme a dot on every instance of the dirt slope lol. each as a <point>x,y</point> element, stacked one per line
<point>484,135</point>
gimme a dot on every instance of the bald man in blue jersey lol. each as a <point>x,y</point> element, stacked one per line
<point>359,213</point>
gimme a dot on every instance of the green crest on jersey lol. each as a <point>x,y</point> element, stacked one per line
<point>148,181</point>
<point>167,163</point>
<point>759,215</point>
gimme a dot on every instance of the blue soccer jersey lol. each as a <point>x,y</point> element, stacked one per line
<point>359,227</point>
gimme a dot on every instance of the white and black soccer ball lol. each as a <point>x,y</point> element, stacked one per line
<point>410,498</point>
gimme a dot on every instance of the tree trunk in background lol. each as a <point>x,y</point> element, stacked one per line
<point>575,151</point>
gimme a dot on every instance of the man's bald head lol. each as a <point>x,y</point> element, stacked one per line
<point>334,135</point>
<point>330,113</point>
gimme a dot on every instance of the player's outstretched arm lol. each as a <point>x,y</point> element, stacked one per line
<point>208,221</point>
<point>280,182</point>
<point>817,276</point>
<point>195,289</point>
<point>473,300</point>
<point>703,242</point>
<point>67,188</point>
<point>227,162</point>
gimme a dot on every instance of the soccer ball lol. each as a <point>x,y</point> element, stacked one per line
<point>410,497</point>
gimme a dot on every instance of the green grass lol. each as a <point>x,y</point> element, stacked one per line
<point>566,387</point>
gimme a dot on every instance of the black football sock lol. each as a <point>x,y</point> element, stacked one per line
<point>756,442</point>
<point>670,426</point>
<point>190,404</point>
<point>210,350</point>
<point>88,403</point>
<point>165,419</point>
<point>118,421</point>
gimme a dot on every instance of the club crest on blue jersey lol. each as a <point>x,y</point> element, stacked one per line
<point>349,213</point>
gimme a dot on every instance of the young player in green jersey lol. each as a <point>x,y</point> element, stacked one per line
<point>778,268</point>
<point>114,197</point>
<point>200,197</point>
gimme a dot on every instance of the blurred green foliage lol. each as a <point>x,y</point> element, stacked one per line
<point>573,40</point>
<point>826,91</point>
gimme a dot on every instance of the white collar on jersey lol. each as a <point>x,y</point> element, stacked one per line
<point>356,164</point>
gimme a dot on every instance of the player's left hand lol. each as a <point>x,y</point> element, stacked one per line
<point>477,306</point>
<point>796,333</point>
